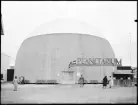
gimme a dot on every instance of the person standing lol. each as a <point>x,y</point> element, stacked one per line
<point>110,82</point>
<point>105,82</point>
<point>81,81</point>
<point>15,83</point>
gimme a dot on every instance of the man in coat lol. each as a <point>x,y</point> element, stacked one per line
<point>105,81</point>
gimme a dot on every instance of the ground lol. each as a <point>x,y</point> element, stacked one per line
<point>90,93</point>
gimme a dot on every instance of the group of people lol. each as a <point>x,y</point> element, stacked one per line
<point>106,81</point>
<point>81,81</point>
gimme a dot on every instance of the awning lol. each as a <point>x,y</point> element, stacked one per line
<point>123,73</point>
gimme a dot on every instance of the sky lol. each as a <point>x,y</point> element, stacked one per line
<point>113,21</point>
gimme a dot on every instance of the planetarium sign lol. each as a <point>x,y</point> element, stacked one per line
<point>96,62</point>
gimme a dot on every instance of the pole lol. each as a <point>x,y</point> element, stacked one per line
<point>130,48</point>
<point>2,31</point>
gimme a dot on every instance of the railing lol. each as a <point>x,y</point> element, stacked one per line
<point>89,82</point>
<point>40,81</point>
<point>93,81</point>
<point>26,81</point>
<point>51,81</point>
<point>46,81</point>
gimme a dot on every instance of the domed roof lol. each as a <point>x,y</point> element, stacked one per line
<point>66,25</point>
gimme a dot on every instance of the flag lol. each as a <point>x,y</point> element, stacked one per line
<point>2,33</point>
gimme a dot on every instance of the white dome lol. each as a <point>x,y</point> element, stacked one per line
<point>42,57</point>
<point>66,25</point>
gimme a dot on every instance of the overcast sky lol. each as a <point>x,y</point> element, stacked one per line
<point>111,20</point>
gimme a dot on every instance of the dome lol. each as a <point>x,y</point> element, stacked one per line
<point>44,56</point>
<point>66,25</point>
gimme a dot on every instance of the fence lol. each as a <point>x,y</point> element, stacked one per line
<point>46,82</point>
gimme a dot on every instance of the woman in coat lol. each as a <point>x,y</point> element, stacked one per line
<point>81,80</point>
<point>111,82</point>
<point>105,82</point>
<point>15,83</point>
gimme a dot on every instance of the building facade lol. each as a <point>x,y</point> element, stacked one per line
<point>45,57</point>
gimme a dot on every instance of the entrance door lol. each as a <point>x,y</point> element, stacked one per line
<point>10,74</point>
<point>1,76</point>
<point>68,77</point>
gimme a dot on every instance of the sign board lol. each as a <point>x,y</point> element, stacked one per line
<point>96,62</point>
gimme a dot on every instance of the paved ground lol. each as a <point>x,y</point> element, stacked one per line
<point>67,94</point>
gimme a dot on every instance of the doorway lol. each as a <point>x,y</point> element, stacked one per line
<point>10,74</point>
<point>68,77</point>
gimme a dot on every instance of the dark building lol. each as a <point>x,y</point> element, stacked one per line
<point>123,72</point>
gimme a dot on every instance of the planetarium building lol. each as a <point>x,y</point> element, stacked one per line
<point>63,56</point>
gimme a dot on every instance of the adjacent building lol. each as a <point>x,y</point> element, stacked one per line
<point>5,64</point>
